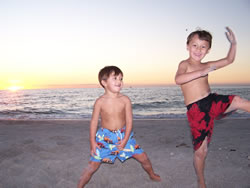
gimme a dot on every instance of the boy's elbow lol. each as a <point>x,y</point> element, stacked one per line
<point>230,61</point>
<point>177,81</point>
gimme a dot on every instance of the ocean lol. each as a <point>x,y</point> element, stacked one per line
<point>147,102</point>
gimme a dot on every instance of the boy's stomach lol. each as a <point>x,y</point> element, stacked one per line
<point>193,95</point>
<point>113,125</point>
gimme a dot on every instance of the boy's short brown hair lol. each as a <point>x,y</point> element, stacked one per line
<point>202,34</point>
<point>105,72</point>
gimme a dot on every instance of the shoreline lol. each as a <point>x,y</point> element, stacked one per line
<point>53,153</point>
<point>146,119</point>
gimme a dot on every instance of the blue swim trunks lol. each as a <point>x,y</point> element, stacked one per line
<point>107,140</point>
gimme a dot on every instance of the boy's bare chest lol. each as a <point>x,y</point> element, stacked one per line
<point>113,108</point>
<point>195,67</point>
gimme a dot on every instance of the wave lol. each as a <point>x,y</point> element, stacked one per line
<point>158,104</point>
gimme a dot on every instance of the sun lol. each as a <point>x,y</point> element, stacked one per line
<point>14,88</point>
<point>15,85</point>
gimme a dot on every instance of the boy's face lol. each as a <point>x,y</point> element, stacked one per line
<point>197,48</point>
<point>114,83</point>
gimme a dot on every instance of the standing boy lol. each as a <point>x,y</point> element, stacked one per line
<point>115,137</point>
<point>202,105</point>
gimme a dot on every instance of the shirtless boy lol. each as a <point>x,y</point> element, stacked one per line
<point>114,139</point>
<point>203,107</point>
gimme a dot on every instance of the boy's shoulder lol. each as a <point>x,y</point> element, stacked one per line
<point>100,99</point>
<point>125,98</point>
<point>183,64</point>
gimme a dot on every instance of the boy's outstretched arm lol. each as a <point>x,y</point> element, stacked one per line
<point>93,127</point>
<point>182,76</point>
<point>129,123</point>
<point>231,53</point>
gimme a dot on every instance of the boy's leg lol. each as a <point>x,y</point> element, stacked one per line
<point>199,163</point>
<point>87,173</point>
<point>239,103</point>
<point>147,166</point>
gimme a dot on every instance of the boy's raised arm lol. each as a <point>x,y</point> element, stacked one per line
<point>231,53</point>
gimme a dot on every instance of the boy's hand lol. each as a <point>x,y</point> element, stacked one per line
<point>121,144</point>
<point>230,36</point>
<point>207,70</point>
<point>93,149</point>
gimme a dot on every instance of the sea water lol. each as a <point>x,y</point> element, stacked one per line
<point>147,102</point>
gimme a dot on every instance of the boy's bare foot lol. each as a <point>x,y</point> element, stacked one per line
<point>155,177</point>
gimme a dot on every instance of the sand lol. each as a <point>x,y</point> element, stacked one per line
<point>52,154</point>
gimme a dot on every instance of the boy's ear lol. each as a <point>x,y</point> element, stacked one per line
<point>103,82</point>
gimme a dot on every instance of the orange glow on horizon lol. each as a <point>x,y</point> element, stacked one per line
<point>26,84</point>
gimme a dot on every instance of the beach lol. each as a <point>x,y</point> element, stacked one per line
<point>53,153</point>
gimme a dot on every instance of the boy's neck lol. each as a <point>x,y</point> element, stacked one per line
<point>110,94</point>
<point>192,61</point>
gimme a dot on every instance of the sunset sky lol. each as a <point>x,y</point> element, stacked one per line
<point>47,43</point>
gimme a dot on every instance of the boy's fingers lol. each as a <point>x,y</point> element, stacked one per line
<point>93,152</point>
<point>227,28</point>
<point>230,35</point>
<point>229,31</point>
<point>119,147</point>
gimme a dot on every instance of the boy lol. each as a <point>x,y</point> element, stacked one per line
<point>115,137</point>
<point>202,105</point>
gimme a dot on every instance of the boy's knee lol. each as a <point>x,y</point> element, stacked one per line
<point>141,157</point>
<point>144,157</point>
<point>92,166</point>
<point>202,151</point>
<point>238,100</point>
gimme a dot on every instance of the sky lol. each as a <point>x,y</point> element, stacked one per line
<point>64,43</point>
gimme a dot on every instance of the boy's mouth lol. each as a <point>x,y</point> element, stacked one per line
<point>197,55</point>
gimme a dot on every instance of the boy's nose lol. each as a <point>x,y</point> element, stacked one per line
<point>198,48</point>
<point>118,81</point>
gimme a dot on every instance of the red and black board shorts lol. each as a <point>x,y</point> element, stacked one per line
<point>201,115</point>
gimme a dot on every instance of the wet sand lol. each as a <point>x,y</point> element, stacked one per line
<point>53,153</point>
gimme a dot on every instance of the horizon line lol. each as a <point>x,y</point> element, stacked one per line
<point>75,86</point>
